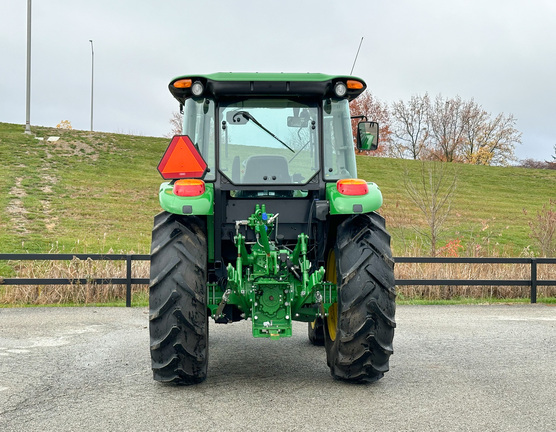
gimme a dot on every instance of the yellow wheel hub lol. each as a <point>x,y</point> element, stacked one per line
<point>332,318</point>
<point>332,321</point>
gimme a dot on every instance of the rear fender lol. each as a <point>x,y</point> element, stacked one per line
<point>353,204</point>
<point>197,205</point>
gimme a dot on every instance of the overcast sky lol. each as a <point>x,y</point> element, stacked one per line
<point>501,53</point>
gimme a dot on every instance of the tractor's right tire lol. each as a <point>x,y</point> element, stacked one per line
<point>315,332</point>
<point>178,315</point>
<point>359,328</point>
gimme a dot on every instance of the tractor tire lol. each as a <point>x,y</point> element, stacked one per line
<point>178,315</point>
<point>315,331</point>
<point>359,328</point>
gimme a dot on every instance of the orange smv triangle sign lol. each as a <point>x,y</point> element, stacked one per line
<point>182,160</point>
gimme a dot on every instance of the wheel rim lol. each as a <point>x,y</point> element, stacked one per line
<point>332,318</point>
<point>332,321</point>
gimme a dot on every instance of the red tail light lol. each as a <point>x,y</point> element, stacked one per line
<point>189,187</point>
<point>352,187</point>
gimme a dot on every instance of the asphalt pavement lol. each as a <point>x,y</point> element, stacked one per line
<point>455,368</point>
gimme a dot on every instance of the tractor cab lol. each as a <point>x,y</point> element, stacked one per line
<point>283,140</point>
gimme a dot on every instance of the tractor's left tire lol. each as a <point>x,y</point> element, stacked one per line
<point>178,314</point>
<point>359,327</point>
<point>315,331</point>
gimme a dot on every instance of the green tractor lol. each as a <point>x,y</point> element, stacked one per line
<point>265,220</point>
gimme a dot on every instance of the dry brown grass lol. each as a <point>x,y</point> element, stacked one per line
<point>77,293</point>
<point>92,293</point>
<point>472,272</point>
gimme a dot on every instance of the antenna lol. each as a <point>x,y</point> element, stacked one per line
<point>356,55</point>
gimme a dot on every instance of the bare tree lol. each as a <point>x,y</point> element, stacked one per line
<point>474,119</point>
<point>552,164</point>
<point>447,124</point>
<point>487,140</point>
<point>452,130</point>
<point>499,139</point>
<point>176,121</point>
<point>543,228</point>
<point>377,111</point>
<point>432,193</point>
<point>533,163</point>
<point>410,126</point>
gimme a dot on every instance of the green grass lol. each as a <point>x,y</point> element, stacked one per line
<point>488,204</point>
<point>96,192</point>
<point>88,192</point>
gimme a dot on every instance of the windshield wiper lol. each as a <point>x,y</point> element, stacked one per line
<point>248,116</point>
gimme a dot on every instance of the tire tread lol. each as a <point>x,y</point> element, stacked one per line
<point>366,301</point>
<point>178,317</point>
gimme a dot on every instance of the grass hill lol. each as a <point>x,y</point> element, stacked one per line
<point>491,207</point>
<point>95,192</point>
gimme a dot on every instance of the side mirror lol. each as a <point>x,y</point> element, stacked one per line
<point>367,135</point>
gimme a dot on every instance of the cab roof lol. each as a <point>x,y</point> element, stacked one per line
<point>223,85</point>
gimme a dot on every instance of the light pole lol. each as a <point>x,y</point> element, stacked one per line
<point>28,91</point>
<point>92,79</point>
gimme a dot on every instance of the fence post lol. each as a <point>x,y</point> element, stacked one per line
<point>128,281</point>
<point>533,280</point>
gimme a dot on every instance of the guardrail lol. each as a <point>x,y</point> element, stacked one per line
<point>533,282</point>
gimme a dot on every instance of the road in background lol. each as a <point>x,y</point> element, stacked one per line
<point>455,368</point>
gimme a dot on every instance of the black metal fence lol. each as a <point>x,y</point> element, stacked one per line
<point>533,282</point>
<point>128,281</point>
